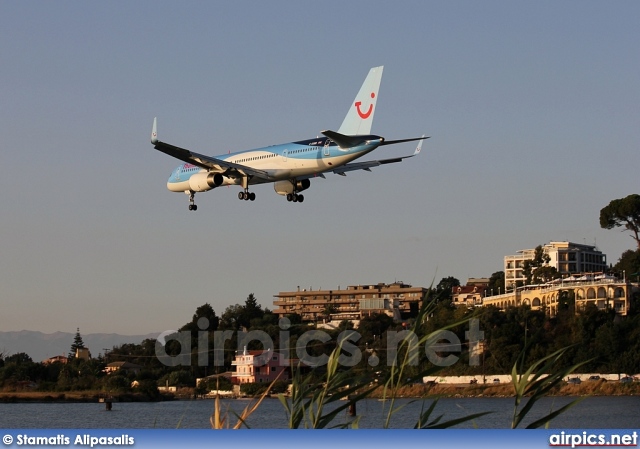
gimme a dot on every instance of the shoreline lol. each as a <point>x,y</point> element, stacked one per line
<point>46,397</point>
<point>599,388</point>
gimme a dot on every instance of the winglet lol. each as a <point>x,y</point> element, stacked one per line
<point>420,145</point>
<point>154,131</point>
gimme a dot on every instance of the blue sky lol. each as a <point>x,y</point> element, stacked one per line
<point>532,108</point>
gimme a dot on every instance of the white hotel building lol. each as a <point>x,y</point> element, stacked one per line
<point>566,257</point>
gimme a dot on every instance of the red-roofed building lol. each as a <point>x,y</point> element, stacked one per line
<point>468,295</point>
<point>56,359</point>
<point>259,366</point>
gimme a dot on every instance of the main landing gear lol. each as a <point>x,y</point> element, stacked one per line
<point>192,204</point>
<point>295,197</point>
<point>246,195</point>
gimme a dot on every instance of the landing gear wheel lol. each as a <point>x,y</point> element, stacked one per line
<point>300,198</point>
<point>246,196</point>
<point>289,197</point>
<point>295,198</point>
<point>192,205</point>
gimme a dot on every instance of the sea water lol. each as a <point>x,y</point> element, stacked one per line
<point>602,412</point>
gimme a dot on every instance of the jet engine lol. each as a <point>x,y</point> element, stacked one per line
<point>286,187</point>
<point>203,181</point>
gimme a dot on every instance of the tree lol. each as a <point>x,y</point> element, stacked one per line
<point>330,309</point>
<point>629,263</point>
<point>530,267</point>
<point>251,310</point>
<point>149,388</point>
<point>496,283</point>
<point>77,344</point>
<point>374,326</point>
<point>231,317</point>
<point>180,378</point>
<point>236,316</point>
<point>204,311</point>
<point>444,289</point>
<point>623,212</point>
<point>220,382</point>
<point>19,358</point>
<point>545,274</point>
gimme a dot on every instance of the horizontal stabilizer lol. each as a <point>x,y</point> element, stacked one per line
<point>393,142</point>
<point>345,141</point>
<point>367,165</point>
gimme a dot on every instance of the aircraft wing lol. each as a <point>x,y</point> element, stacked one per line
<point>206,162</point>
<point>367,165</point>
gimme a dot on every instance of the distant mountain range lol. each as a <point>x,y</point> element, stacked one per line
<point>41,346</point>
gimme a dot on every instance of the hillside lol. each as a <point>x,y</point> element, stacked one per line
<point>40,346</point>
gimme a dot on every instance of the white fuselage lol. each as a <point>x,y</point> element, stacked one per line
<point>290,161</point>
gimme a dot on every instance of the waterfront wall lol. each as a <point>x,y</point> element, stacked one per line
<point>506,378</point>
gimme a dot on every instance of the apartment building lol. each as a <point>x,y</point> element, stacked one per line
<point>397,300</point>
<point>567,257</point>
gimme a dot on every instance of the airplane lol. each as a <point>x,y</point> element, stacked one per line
<point>289,166</point>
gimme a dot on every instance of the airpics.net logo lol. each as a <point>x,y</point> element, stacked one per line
<point>588,439</point>
<point>440,347</point>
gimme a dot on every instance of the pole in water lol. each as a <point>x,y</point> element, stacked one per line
<point>108,402</point>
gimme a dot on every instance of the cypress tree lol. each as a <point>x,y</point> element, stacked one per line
<point>77,344</point>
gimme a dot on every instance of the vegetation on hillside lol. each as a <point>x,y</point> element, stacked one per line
<point>591,340</point>
<point>603,342</point>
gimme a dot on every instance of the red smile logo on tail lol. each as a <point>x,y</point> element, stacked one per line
<point>365,115</point>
